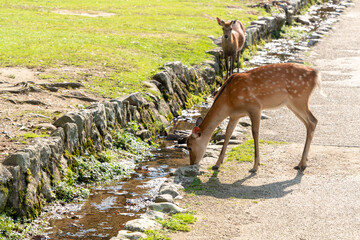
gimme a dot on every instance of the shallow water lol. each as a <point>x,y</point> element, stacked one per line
<point>113,204</point>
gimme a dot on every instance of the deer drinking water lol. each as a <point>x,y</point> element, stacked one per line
<point>250,92</point>
<point>233,40</point>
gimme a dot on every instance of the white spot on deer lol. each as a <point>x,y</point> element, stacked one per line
<point>300,78</point>
<point>240,97</point>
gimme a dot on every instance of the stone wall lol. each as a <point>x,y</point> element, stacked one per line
<point>27,176</point>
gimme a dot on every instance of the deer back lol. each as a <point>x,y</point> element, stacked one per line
<point>269,86</point>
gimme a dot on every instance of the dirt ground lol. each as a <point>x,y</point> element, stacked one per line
<point>27,106</point>
<point>278,202</point>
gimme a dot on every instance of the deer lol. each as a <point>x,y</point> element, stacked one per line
<point>233,40</point>
<point>247,94</point>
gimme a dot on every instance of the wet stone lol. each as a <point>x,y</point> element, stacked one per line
<point>164,198</point>
<point>142,225</point>
<point>315,36</point>
<point>167,208</point>
<point>153,215</point>
<point>169,189</point>
<point>124,234</point>
<point>188,171</point>
<point>313,42</point>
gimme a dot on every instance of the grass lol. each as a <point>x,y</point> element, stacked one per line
<point>245,152</point>
<point>11,229</point>
<point>178,222</point>
<point>127,47</point>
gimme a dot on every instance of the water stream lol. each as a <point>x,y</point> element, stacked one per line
<point>111,205</point>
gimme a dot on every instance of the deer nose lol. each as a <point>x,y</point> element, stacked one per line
<point>226,36</point>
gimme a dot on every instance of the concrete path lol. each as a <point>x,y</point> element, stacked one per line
<point>278,202</point>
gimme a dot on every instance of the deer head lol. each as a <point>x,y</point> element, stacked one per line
<point>226,27</point>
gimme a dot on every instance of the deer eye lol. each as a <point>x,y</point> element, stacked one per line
<point>230,29</point>
<point>189,149</point>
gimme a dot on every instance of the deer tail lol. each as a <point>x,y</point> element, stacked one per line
<point>318,83</point>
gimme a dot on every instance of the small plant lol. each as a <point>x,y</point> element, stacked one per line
<point>196,185</point>
<point>33,135</point>
<point>129,142</point>
<point>11,229</point>
<point>179,222</point>
<point>155,235</point>
<point>70,193</point>
<point>245,151</point>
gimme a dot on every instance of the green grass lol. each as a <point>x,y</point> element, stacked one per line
<point>33,135</point>
<point>245,151</point>
<point>127,47</point>
<point>11,229</point>
<point>179,222</point>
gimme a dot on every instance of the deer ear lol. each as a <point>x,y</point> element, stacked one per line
<point>196,132</point>
<point>233,21</point>
<point>198,121</point>
<point>219,21</point>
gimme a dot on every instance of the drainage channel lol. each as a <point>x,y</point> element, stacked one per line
<point>111,205</point>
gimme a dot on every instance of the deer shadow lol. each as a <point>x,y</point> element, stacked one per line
<point>241,191</point>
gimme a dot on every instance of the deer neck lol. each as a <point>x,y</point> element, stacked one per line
<point>212,120</point>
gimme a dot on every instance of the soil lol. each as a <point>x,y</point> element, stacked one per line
<point>279,202</point>
<point>27,106</point>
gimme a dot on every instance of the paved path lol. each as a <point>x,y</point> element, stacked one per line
<point>278,202</point>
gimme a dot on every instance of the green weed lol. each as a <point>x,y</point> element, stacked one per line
<point>245,151</point>
<point>155,235</point>
<point>178,222</point>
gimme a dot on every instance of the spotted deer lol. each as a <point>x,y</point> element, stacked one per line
<point>248,93</point>
<point>233,40</point>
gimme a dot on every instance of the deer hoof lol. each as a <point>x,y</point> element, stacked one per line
<point>253,170</point>
<point>215,168</point>
<point>300,168</point>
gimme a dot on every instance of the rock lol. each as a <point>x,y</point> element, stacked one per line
<point>18,158</point>
<point>135,99</point>
<point>165,79</point>
<point>134,113</point>
<point>46,126</point>
<point>177,67</point>
<point>153,215</point>
<point>166,208</point>
<point>313,42</point>
<point>216,41</point>
<point>187,171</point>
<point>164,198</point>
<point>208,74</point>
<point>142,225</point>
<point>145,135</point>
<point>168,188</point>
<point>302,19</point>
<point>99,117</point>
<point>71,136</point>
<point>60,122</point>
<point>264,116</point>
<point>5,179</point>
<point>315,36</point>
<point>124,234</point>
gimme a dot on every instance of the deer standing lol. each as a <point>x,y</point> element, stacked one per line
<point>233,40</point>
<point>249,93</point>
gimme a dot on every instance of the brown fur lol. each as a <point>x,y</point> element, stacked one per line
<point>233,41</point>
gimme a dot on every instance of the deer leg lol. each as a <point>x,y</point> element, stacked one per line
<point>238,60</point>
<point>255,126</point>
<point>227,65</point>
<point>229,130</point>
<point>232,64</point>
<point>303,113</point>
